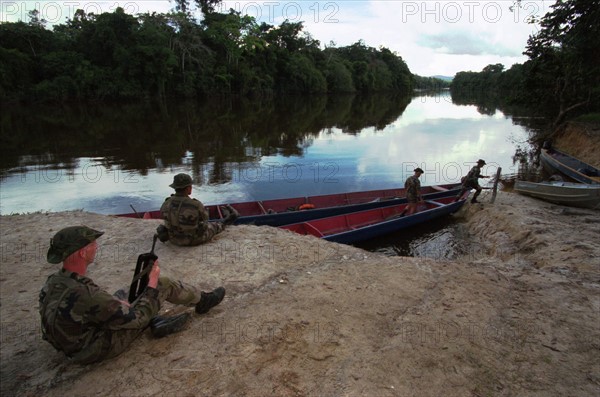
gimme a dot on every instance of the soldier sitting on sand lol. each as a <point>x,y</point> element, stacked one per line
<point>87,323</point>
<point>186,219</point>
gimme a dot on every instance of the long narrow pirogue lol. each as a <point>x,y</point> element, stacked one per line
<point>584,195</point>
<point>285,211</point>
<point>556,161</point>
<point>364,225</point>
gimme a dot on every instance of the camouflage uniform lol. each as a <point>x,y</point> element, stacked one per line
<point>413,189</point>
<point>186,220</point>
<point>89,325</point>
<point>471,181</point>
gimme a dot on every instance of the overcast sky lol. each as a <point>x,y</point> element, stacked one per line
<point>433,37</point>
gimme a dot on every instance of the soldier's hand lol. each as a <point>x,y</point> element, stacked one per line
<point>153,276</point>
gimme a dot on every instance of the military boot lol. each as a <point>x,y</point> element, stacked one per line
<point>210,300</point>
<point>163,326</point>
<point>231,214</point>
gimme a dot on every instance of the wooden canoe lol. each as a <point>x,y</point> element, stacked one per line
<point>556,161</point>
<point>285,211</point>
<point>364,225</point>
<point>565,193</point>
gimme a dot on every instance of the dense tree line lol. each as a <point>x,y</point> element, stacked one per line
<point>118,55</point>
<point>561,77</point>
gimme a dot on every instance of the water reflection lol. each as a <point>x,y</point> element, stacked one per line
<point>442,240</point>
<point>106,158</point>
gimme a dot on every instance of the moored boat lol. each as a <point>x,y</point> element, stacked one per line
<point>364,225</point>
<point>285,211</point>
<point>556,161</point>
<point>565,193</point>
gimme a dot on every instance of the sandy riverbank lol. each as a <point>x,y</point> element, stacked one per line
<point>518,315</point>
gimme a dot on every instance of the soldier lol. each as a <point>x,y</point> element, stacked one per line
<point>87,323</point>
<point>471,181</point>
<point>186,219</point>
<point>413,191</point>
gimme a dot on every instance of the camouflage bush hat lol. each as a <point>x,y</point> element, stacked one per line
<point>68,240</point>
<point>482,162</point>
<point>180,181</point>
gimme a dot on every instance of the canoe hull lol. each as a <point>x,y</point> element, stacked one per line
<point>365,225</point>
<point>564,193</point>
<point>285,218</point>
<point>556,161</point>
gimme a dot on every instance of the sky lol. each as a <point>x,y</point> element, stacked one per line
<point>433,37</point>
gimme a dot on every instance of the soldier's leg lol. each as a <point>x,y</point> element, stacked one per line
<point>110,344</point>
<point>160,326</point>
<point>477,193</point>
<point>462,191</point>
<point>210,230</point>
<point>178,292</point>
<point>121,340</point>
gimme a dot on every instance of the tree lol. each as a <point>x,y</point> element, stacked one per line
<point>337,73</point>
<point>207,6</point>
<point>35,20</point>
<point>194,58</point>
<point>565,55</point>
<point>117,55</point>
<point>182,6</point>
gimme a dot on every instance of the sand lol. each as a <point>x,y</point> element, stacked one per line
<point>518,314</point>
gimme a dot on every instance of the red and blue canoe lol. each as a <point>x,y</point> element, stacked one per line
<point>364,225</point>
<point>284,211</point>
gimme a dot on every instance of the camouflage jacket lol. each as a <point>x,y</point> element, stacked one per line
<point>78,317</point>
<point>185,217</point>
<point>472,178</point>
<point>413,187</point>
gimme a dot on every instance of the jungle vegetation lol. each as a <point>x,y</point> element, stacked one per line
<point>157,56</point>
<point>116,55</point>
<point>561,78</point>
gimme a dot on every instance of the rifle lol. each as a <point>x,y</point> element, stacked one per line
<point>142,269</point>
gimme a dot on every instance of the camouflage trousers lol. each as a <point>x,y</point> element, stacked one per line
<point>202,235</point>
<point>467,188</point>
<point>412,197</point>
<point>115,342</point>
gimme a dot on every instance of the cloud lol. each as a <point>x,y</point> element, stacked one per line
<point>435,37</point>
<point>466,43</point>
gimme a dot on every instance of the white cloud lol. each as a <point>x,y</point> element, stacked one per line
<point>436,37</point>
<point>465,43</point>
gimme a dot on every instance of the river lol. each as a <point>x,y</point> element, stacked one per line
<point>110,158</point>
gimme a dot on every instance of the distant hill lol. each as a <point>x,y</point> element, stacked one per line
<point>445,78</point>
<point>431,83</point>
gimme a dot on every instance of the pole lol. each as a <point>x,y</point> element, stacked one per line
<point>495,188</point>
